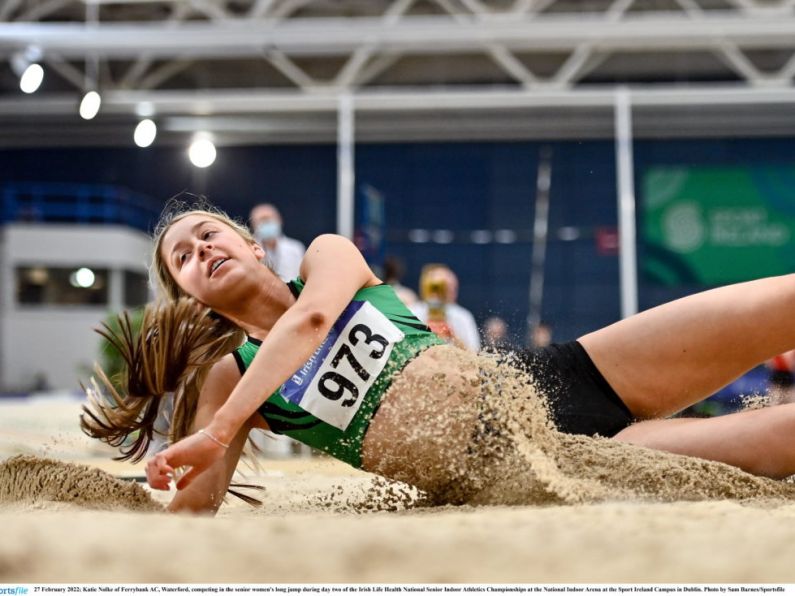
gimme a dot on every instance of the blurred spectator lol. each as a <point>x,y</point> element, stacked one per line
<point>393,274</point>
<point>495,335</point>
<point>440,310</point>
<point>781,378</point>
<point>283,254</point>
<point>541,336</point>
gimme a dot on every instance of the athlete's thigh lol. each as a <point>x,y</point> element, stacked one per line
<point>758,441</point>
<point>664,359</point>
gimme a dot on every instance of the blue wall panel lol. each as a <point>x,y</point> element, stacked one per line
<point>455,186</point>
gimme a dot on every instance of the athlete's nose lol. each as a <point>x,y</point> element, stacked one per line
<point>204,249</point>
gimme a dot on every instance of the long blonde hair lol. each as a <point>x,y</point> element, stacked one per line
<point>173,351</point>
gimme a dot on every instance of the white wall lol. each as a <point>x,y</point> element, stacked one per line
<point>57,340</point>
<point>60,244</point>
<point>57,343</point>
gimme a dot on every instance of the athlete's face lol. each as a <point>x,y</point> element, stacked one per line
<point>208,259</point>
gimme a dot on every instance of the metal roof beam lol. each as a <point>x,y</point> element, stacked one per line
<point>359,58</point>
<point>256,102</point>
<point>411,35</point>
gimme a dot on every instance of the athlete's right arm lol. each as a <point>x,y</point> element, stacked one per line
<point>207,492</point>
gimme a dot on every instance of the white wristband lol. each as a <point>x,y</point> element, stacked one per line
<point>213,439</point>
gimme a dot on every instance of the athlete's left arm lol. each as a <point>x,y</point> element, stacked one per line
<point>333,270</point>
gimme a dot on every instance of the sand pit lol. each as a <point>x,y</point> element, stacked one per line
<point>29,480</point>
<point>293,537</point>
<point>547,508</point>
<point>314,526</point>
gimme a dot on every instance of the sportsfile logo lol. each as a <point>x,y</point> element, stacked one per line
<point>14,590</point>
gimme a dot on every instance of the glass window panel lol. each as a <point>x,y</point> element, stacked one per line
<point>136,288</point>
<point>41,284</point>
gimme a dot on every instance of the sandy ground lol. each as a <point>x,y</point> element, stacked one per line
<point>306,532</point>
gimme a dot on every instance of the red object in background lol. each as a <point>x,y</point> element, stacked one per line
<point>779,363</point>
<point>441,328</point>
<point>606,241</point>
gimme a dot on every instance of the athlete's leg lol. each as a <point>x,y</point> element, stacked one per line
<point>757,441</point>
<point>664,359</point>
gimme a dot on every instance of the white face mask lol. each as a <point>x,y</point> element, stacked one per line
<point>268,230</point>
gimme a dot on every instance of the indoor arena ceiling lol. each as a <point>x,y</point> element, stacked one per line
<point>269,71</point>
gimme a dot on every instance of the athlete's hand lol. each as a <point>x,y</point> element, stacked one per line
<point>159,473</point>
<point>197,452</point>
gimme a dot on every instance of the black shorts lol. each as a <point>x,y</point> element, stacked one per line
<point>581,401</point>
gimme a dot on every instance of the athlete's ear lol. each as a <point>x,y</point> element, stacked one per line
<point>258,250</point>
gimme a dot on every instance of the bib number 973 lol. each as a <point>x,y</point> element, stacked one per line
<point>334,385</point>
<point>351,366</point>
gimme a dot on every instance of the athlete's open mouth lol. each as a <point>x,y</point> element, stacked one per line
<point>216,264</point>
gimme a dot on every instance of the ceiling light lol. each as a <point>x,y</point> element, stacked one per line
<point>31,79</point>
<point>89,106</point>
<point>145,133</point>
<point>202,152</point>
<point>25,65</point>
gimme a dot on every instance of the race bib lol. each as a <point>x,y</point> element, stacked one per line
<point>332,384</point>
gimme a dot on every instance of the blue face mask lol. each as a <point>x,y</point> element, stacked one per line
<point>268,230</point>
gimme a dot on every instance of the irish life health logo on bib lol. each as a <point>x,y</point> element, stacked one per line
<point>332,384</point>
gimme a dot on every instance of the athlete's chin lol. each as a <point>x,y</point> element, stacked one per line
<point>221,287</point>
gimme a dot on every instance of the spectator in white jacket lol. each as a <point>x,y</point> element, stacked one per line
<point>440,310</point>
<point>283,254</point>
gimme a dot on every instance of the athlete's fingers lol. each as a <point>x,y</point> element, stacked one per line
<point>188,477</point>
<point>159,482</point>
<point>158,473</point>
<point>194,450</point>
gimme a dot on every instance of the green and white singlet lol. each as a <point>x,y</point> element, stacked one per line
<point>328,403</point>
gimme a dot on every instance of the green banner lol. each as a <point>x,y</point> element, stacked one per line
<point>718,225</point>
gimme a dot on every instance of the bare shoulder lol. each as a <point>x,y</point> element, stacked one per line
<point>333,246</point>
<point>333,258</point>
<point>330,240</point>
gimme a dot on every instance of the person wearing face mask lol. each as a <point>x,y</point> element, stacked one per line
<point>283,254</point>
